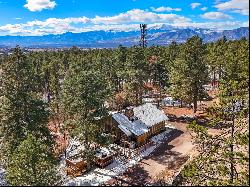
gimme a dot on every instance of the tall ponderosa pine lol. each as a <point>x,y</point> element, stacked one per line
<point>120,71</point>
<point>136,74</point>
<point>84,94</point>
<point>216,58</point>
<point>157,69</point>
<point>223,159</point>
<point>32,164</point>
<point>23,113</point>
<point>189,72</point>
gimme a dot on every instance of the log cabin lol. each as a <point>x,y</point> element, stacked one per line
<point>136,124</point>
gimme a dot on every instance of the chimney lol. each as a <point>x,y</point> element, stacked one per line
<point>129,112</point>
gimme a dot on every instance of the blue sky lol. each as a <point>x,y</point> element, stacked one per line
<point>39,17</point>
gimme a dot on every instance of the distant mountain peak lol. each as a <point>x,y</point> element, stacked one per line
<point>162,27</point>
<point>159,34</point>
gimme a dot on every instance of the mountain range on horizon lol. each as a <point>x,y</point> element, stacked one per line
<point>159,35</point>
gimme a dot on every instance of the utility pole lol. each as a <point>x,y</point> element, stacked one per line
<point>143,41</point>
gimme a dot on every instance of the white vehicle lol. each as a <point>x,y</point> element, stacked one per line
<point>169,101</point>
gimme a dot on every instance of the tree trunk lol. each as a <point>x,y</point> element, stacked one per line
<point>220,74</point>
<point>47,85</point>
<point>140,95</point>
<point>65,150</point>
<point>57,88</point>
<point>195,103</point>
<point>137,98</point>
<point>232,149</point>
<point>214,79</point>
<point>118,84</point>
<point>160,99</point>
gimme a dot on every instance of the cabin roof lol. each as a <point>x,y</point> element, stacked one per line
<point>128,126</point>
<point>145,116</point>
<point>125,130</point>
<point>102,151</point>
<point>149,114</point>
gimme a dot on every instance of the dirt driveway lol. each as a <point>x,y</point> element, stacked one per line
<point>170,155</point>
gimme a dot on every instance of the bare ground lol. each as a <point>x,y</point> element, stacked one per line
<point>171,155</point>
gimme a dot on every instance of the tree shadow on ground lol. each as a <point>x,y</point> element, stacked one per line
<point>202,120</point>
<point>135,176</point>
<point>138,176</point>
<point>205,122</point>
<point>166,176</point>
<point>163,153</point>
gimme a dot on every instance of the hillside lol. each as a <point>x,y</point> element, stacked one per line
<point>162,35</point>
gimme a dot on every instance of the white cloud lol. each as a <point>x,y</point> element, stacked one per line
<point>245,24</point>
<point>38,5</point>
<point>138,16</point>
<point>126,21</point>
<point>195,5</point>
<point>215,15</point>
<point>165,9</point>
<point>122,21</point>
<point>204,8</point>
<point>237,6</point>
<point>55,22</point>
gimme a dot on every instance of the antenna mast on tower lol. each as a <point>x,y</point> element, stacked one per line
<point>143,41</point>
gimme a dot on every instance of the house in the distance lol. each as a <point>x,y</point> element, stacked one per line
<point>136,125</point>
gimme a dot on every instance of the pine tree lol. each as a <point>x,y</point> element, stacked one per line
<point>158,69</point>
<point>223,159</point>
<point>189,72</point>
<point>216,58</point>
<point>120,60</point>
<point>22,111</point>
<point>136,74</point>
<point>32,164</point>
<point>84,93</point>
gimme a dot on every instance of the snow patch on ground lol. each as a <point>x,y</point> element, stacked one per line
<point>2,178</point>
<point>99,176</point>
<point>120,164</point>
<point>74,147</point>
<point>170,126</point>
<point>158,138</point>
<point>148,151</point>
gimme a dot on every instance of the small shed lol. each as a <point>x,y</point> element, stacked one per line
<point>76,168</point>
<point>103,157</point>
